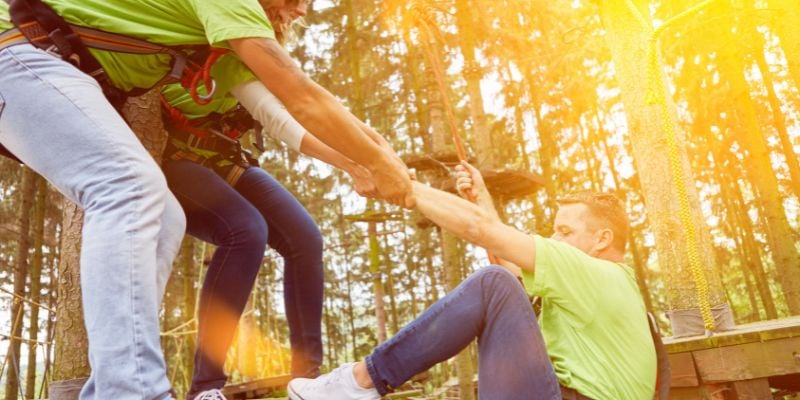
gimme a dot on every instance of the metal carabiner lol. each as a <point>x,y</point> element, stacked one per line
<point>207,97</point>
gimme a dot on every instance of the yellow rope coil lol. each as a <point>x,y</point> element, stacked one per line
<point>656,94</point>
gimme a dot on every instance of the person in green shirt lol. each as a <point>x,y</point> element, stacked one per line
<point>56,119</point>
<point>592,338</point>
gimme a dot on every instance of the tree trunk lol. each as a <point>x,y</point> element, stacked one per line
<point>754,248</point>
<point>53,258</point>
<point>451,252</point>
<point>27,193</point>
<point>628,41</point>
<point>472,74</point>
<point>356,87</point>
<point>71,344</point>
<point>35,285</point>
<point>547,160</point>
<point>778,119</point>
<point>377,281</point>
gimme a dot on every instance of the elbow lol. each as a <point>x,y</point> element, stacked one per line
<point>478,226</point>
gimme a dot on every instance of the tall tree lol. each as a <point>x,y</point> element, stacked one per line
<point>468,30</point>
<point>629,34</point>
<point>35,284</point>
<point>27,193</point>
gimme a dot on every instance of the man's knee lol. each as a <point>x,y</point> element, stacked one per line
<point>497,282</point>
<point>496,275</point>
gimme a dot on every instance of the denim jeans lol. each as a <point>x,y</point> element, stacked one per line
<point>491,306</point>
<point>57,121</point>
<point>241,221</point>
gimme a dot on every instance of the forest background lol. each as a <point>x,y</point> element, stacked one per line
<point>532,85</point>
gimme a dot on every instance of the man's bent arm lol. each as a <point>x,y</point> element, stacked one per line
<point>475,225</point>
<point>320,113</point>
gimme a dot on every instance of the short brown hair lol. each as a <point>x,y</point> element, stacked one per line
<point>608,209</point>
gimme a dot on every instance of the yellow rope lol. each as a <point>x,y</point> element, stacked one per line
<point>656,94</point>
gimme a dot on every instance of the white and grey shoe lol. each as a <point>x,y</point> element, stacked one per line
<point>211,394</point>
<point>339,384</point>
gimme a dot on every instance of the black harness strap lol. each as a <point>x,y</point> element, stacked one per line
<point>47,30</point>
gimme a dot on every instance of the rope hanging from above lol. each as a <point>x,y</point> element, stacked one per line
<point>422,13</point>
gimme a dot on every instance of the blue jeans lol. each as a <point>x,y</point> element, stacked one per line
<point>241,221</point>
<point>57,121</point>
<point>492,306</point>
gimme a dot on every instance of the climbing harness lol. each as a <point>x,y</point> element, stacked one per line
<point>192,80</point>
<point>216,134</point>
<point>656,95</point>
<point>38,24</point>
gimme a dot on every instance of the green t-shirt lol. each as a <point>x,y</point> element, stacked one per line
<point>167,22</point>
<point>594,323</point>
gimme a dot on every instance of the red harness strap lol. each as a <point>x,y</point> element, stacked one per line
<point>196,74</point>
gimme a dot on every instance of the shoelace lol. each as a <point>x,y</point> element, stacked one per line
<point>213,394</point>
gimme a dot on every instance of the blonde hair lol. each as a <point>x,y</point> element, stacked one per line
<point>286,32</point>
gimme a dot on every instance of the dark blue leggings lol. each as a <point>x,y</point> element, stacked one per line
<point>241,221</point>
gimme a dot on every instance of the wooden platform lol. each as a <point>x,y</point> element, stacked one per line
<point>508,183</point>
<point>739,364</point>
<point>257,389</point>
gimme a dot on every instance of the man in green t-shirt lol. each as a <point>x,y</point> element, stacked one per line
<point>592,337</point>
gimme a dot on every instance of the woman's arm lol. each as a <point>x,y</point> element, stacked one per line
<point>276,120</point>
<point>322,115</point>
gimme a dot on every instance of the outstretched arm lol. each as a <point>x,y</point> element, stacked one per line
<point>321,114</point>
<point>276,120</point>
<point>475,225</point>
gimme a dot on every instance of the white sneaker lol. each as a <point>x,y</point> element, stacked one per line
<point>211,394</point>
<point>339,384</point>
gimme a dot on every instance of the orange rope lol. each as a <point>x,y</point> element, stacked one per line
<point>451,119</point>
<point>195,76</point>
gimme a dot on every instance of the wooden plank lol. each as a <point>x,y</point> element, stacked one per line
<point>685,393</point>
<point>756,389</point>
<point>404,394</point>
<point>682,370</point>
<point>749,361</point>
<point>749,333</point>
<point>257,388</point>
